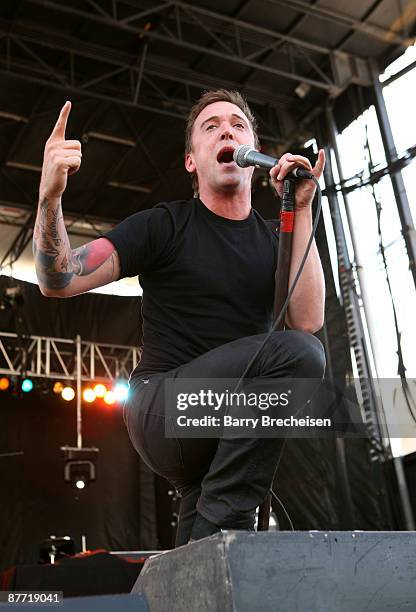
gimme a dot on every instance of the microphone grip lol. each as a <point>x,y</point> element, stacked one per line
<point>300,172</point>
<point>255,158</point>
<point>287,217</point>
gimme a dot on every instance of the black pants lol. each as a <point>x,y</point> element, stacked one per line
<point>221,481</point>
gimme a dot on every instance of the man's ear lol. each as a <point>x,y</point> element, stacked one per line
<point>189,163</point>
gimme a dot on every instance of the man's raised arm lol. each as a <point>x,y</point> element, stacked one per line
<point>62,271</point>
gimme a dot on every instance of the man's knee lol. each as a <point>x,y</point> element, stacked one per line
<point>311,354</point>
<point>305,353</point>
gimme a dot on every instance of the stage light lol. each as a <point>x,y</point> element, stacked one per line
<point>121,391</point>
<point>68,394</point>
<point>27,385</point>
<point>110,398</point>
<point>55,548</point>
<point>58,387</point>
<point>4,384</point>
<point>88,395</point>
<point>100,390</point>
<point>80,466</point>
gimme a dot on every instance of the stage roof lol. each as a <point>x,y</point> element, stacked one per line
<point>132,69</point>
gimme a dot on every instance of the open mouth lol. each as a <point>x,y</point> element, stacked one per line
<point>225,155</point>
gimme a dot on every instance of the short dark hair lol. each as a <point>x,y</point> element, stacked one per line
<point>207,98</point>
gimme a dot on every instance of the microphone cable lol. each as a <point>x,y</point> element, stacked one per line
<point>292,287</point>
<point>276,323</point>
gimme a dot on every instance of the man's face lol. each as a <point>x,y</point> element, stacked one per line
<point>219,129</point>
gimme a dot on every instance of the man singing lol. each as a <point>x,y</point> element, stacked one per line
<point>206,266</point>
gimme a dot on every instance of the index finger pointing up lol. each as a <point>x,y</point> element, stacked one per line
<point>60,126</point>
<point>320,164</point>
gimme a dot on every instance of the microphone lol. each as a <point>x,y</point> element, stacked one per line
<point>245,156</point>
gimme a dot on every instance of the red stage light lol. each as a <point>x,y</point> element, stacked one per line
<point>4,384</point>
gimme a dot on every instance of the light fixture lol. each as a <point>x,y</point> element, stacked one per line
<point>89,395</point>
<point>4,384</point>
<point>58,387</point>
<point>56,547</point>
<point>79,473</point>
<point>100,390</point>
<point>110,398</point>
<point>121,391</point>
<point>80,468</point>
<point>27,385</point>
<point>68,394</point>
<point>80,483</point>
<point>302,90</point>
<point>13,298</point>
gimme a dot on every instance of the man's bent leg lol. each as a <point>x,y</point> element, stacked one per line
<point>187,513</point>
<point>236,474</point>
<point>242,470</point>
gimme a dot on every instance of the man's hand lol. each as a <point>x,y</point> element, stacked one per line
<point>61,158</point>
<point>305,188</point>
<point>63,271</point>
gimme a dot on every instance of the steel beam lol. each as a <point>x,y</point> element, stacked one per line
<point>275,46</point>
<point>355,327</point>
<point>109,98</point>
<point>399,74</point>
<point>53,358</point>
<point>366,15</point>
<point>222,19</point>
<point>329,14</point>
<point>111,57</point>
<point>173,108</point>
<point>403,207</point>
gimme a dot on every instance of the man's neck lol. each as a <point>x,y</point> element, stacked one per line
<point>231,205</point>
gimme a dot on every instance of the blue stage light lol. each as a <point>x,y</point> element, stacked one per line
<point>27,385</point>
<point>121,391</point>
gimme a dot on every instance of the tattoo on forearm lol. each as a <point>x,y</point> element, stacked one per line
<point>56,263</point>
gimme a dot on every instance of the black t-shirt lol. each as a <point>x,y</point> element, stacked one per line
<point>206,280</point>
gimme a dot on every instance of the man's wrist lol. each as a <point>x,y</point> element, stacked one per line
<point>44,198</point>
<point>304,211</point>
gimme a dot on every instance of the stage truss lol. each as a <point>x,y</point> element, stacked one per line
<point>65,359</point>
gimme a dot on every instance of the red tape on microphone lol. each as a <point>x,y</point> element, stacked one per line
<point>287,220</point>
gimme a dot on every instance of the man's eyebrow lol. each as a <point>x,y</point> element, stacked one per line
<point>239,117</point>
<point>213,118</point>
<point>216,118</point>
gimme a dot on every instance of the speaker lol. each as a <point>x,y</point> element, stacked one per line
<point>312,571</point>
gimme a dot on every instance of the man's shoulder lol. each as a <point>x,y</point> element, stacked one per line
<point>176,207</point>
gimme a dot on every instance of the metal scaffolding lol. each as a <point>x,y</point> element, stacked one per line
<point>56,358</point>
<point>237,42</point>
<point>66,360</point>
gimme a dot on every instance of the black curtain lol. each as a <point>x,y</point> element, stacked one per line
<point>118,511</point>
<point>128,507</point>
<point>95,317</point>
